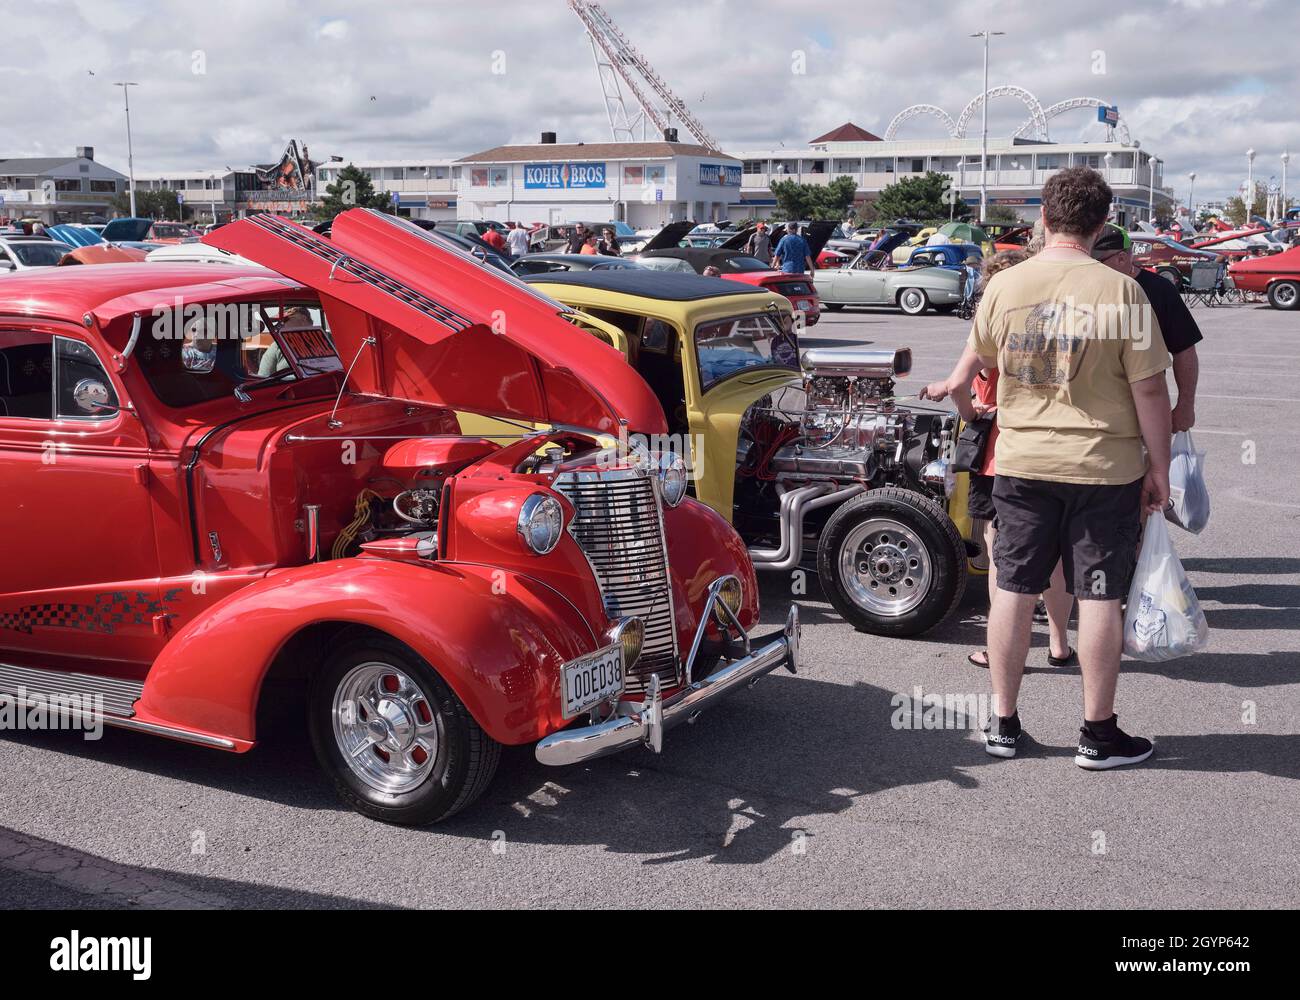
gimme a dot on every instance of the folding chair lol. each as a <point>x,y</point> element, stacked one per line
<point>1205,284</point>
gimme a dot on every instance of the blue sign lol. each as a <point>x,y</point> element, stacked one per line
<point>564,176</point>
<point>1108,116</point>
<point>720,174</point>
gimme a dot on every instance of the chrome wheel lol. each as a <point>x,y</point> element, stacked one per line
<point>385,727</point>
<point>885,567</point>
<point>1284,295</point>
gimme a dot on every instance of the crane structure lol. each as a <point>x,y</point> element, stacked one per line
<point>619,64</point>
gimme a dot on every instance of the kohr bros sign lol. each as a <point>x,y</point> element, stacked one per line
<point>564,176</point>
<point>720,174</point>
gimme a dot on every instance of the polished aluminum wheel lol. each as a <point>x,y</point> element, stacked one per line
<point>385,727</point>
<point>885,567</point>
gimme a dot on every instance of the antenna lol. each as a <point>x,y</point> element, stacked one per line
<point>617,59</point>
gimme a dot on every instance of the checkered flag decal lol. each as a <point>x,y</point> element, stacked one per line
<point>46,616</point>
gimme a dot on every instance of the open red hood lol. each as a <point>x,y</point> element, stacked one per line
<point>447,329</point>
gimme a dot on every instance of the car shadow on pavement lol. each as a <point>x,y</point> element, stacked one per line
<point>736,787</point>
<point>1243,565</point>
<point>40,874</point>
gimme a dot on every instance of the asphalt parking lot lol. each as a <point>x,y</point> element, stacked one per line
<point>800,792</point>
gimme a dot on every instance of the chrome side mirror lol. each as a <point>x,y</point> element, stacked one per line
<point>91,396</point>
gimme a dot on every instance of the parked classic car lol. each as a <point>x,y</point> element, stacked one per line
<point>949,255</point>
<point>1277,276</point>
<point>815,457</point>
<point>440,593</point>
<point>540,263</point>
<point>1167,257</point>
<point>871,279</point>
<point>25,253</point>
<point>734,263</point>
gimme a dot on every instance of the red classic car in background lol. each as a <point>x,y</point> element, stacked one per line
<point>1277,276</point>
<point>286,490</point>
<point>1167,257</point>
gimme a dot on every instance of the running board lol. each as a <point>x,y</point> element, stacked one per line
<point>118,698</point>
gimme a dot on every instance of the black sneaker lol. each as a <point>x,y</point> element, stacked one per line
<point>1096,754</point>
<point>1040,614</point>
<point>1003,736</point>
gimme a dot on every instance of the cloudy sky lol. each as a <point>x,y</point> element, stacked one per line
<point>230,81</point>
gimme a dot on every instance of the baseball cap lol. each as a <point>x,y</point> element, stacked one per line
<point>1112,238</point>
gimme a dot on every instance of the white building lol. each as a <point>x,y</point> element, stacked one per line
<point>645,184</point>
<point>421,189</point>
<point>58,188</point>
<point>1017,169</point>
<point>204,194</point>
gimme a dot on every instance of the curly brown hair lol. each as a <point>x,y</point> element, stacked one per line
<point>1000,261</point>
<point>1076,201</point>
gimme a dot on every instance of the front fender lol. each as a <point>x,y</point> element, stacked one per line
<point>496,637</point>
<point>702,546</point>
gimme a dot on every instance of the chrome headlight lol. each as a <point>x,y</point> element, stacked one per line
<point>630,634</point>
<point>939,475</point>
<point>730,594</point>
<point>541,520</point>
<point>672,477</point>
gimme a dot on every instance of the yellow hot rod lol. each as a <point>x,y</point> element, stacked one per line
<point>808,453</point>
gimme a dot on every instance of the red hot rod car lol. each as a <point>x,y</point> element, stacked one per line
<point>273,482</point>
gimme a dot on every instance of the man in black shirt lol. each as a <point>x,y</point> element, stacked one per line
<point>1114,248</point>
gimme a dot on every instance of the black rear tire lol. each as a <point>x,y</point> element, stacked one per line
<point>466,757</point>
<point>905,518</point>
<point>1284,295</point>
<point>1171,275</point>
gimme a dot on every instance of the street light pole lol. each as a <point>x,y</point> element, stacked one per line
<point>1191,204</point>
<point>1107,158</point>
<point>130,156</point>
<point>984,130</point>
<point>1151,190</point>
<point>1286,158</point>
<point>1250,185</point>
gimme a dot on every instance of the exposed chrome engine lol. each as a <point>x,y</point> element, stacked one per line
<point>842,424</point>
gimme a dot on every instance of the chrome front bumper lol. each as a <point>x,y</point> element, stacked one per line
<point>646,722</point>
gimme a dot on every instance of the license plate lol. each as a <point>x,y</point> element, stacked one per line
<point>805,306</point>
<point>591,679</point>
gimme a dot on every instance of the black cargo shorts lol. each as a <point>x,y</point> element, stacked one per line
<point>1093,530</point>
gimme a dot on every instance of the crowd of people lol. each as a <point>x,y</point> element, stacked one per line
<point>1067,356</point>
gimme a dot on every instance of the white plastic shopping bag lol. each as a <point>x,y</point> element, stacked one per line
<point>1190,500</point>
<point>1164,620</point>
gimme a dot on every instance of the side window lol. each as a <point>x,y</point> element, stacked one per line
<point>84,391</point>
<point>26,374</point>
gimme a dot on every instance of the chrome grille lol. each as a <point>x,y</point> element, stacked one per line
<point>619,526</point>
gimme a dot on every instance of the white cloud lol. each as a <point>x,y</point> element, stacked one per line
<point>336,29</point>
<point>1193,79</point>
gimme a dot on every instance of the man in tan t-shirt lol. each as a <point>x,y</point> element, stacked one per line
<point>1082,451</point>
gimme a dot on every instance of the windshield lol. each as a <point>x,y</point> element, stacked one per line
<point>39,254</point>
<point>729,346</point>
<point>195,354</point>
<point>745,264</point>
<point>666,264</point>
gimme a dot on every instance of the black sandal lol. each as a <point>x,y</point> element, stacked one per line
<point>970,658</point>
<point>1070,659</point>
